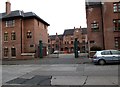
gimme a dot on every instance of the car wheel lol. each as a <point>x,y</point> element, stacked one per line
<point>101,62</point>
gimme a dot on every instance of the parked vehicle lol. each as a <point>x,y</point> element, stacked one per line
<point>106,56</point>
<point>56,52</point>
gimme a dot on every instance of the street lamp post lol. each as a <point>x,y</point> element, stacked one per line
<point>76,48</point>
<point>40,49</point>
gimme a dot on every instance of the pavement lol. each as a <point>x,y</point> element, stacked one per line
<point>51,59</point>
<point>65,71</point>
<point>60,75</point>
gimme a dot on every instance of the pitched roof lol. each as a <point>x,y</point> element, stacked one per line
<point>93,4</point>
<point>12,14</point>
<point>52,37</point>
<point>19,13</point>
<point>60,37</point>
<point>68,32</point>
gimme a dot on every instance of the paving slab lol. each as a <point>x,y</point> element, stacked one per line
<point>102,80</point>
<point>68,80</point>
<point>38,86</point>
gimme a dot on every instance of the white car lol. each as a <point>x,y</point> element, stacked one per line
<point>56,52</point>
<point>106,56</point>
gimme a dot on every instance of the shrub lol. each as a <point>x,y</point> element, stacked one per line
<point>95,48</point>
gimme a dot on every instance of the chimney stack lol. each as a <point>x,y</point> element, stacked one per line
<point>56,34</point>
<point>74,27</point>
<point>8,7</point>
<point>80,26</point>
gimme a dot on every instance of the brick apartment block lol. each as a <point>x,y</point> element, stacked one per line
<point>21,33</point>
<point>103,24</point>
<point>65,42</point>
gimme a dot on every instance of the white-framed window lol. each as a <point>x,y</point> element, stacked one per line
<point>13,36</point>
<point>116,7</point>
<point>29,34</point>
<point>6,36</point>
<point>10,23</point>
<point>117,42</point>
<point>13,52</point>
<point>5,52</point>
<point>95,26</point>
<point>116,23</point>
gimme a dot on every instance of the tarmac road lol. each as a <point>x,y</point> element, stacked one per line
<point>60,74</point>
<point>65,71</point>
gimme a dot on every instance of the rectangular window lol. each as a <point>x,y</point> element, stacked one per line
<point>95,26</point>
<point>49,46</point>
<point>117,42</point>
<point>67,42</point>
<point>10,23</point>
<point>92,41</point>
<point>13,52</point>
<point>116,24</point>
<point>13,36</point>
<point>31,45</point>
<point>83,42</point>
<point>116,7</point>
<point>5,36</point>
<point>29,34</point>
<point>5,52</point>
<point>48,41</point>
<point>53,45</point>
<point>71,42</point>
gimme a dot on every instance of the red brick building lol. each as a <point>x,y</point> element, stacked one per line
<point>69,37</point>
<point>21,33</point>
<point>65,42</point>
<point>55,42</point>
<point>103,23</point>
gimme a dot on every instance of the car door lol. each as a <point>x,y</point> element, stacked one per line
<point>115,55</point>
<point>107,56</point>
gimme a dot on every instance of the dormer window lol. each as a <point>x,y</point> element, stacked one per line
<point>10,23</point>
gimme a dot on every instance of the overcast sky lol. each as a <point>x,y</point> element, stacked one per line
<point>60,14</point>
